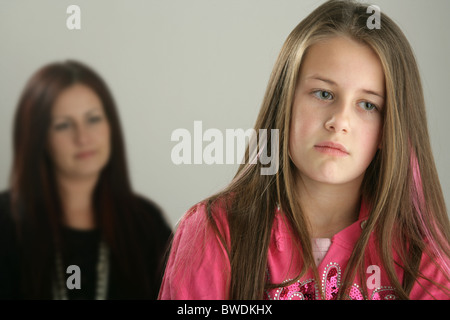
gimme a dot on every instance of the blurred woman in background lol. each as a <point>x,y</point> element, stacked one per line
<point>70,200</point>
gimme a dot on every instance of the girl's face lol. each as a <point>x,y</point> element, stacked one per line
<point>79,134</point>
<point>336,121</point>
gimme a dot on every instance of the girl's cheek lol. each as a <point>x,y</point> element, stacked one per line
<point>308,123</point>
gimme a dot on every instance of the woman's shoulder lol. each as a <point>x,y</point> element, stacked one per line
<point>151,215</point>
<point>7,223</point>
<point>8,251</point>
<point>148,205</point>
<point>5,206</point>
<point>5,196</point>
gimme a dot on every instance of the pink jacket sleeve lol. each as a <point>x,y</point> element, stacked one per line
<point>198,267</point>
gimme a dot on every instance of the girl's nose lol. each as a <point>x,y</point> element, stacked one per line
<point>339,118</point>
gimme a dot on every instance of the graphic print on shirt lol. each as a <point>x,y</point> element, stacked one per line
<point>330,283</point>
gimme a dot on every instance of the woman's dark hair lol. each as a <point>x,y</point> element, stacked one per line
<point>36,204</point>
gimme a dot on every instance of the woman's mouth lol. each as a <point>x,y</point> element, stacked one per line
<point>84,154</point>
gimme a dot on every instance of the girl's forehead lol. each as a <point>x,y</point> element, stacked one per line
<point>343,62</point>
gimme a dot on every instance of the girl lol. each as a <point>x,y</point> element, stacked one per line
<point>356,210</point>
<point>71,201</point>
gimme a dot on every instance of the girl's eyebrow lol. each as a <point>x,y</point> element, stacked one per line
<point>331,82</point>
<point>320,78</point>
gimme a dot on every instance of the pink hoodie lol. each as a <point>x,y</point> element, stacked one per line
<point>198,266</point>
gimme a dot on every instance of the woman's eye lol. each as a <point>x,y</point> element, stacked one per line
<point>323,95</point>
<point>61,126</point>
<point>367,106</point>
<point>94,119</point>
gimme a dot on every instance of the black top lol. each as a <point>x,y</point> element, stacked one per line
<point>82,250</point>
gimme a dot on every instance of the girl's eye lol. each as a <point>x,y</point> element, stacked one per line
<point>323,95</point>
<point>367,106</point>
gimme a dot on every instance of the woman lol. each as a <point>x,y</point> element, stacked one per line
<point>70,201</point>
<point>356,210</point>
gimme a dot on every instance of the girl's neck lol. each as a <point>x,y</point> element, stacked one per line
<point>329,208</point>
<point>77,204</point>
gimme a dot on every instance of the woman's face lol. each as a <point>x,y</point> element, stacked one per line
<point>336,121</point>
<point>79,134</point>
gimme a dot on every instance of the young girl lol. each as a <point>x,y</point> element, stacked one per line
<point>356,210</point>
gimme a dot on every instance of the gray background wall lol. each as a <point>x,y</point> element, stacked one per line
<point>172,62</point>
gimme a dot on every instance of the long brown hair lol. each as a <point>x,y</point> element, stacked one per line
<point>36,204</point>
<point>401,185</point>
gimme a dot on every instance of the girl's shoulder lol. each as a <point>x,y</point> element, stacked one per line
<point>207,226</point>
<point>205,221</point>
<point>198,265</point>
<point>207,216</point>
